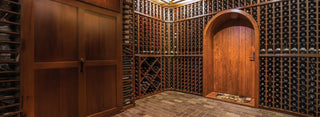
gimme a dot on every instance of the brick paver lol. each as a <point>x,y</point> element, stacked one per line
<point>177,104</point>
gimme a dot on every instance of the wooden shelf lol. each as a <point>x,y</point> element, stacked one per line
<point>137,12</point>
<point>14,33</point>
<point>12,12</point>
<point>8,106</point>
<point>15,62</point>
<point>8,89</point>
<point>10,114</point>
<point>11,52</point>
<point>9,22</point>
<point>17,3</point>
<point>128,96</point>
<point>1,81</point>
<point>127,86</point>
<point>10,42</point>
<point>128,89</point>
<point>8,72</point>
<point>7,98</point>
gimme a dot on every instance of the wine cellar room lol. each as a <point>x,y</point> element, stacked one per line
<point>159,58</point>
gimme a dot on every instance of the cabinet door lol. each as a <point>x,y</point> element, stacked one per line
<point>100,39</point>
<point>54,68</point>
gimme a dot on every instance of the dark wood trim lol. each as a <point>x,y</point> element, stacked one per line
<point>27,72</point>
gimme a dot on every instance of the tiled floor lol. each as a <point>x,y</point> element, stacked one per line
<point>176,104</point>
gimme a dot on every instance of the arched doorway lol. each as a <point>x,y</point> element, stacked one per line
<point>231,54</point>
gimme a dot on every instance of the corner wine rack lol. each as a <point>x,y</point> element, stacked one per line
<point>171,36</point>
<point>10,97</point>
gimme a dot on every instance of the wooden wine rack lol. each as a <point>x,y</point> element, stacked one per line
<point>180,76</point>
<point>10,96</point>
<point>178,32</point>
<point>148,76</point>
<point>296,86</point>
<point>128,60</point>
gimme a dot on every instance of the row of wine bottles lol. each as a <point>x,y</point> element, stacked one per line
<point>183,74</point>
<point>148,76</point>
<point>149,8</point>
<point>194,9</point>
<point>203,7</point>
<point>291,28</point>
<point>10,57</point>
<point>184,37</point>
<point>290,83</point>
<point>153,9</point>
<point>253,11</point>
<point>155,37</point>
<point>9,94</point>
<point>127,46</point>
<point>149,35</point>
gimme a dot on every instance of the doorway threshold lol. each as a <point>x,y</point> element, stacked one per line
<point>247,101</point>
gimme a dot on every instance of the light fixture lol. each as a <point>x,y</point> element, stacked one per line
<point>172,1</point>
<point>176,1</point>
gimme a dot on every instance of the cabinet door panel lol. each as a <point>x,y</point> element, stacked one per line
<point>100,36</point>
<point>56,32</point>
<point>56,92</point>
<point>101,88</point>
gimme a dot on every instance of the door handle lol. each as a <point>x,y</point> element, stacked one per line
<point>81,64</point>
<point>253,56</point>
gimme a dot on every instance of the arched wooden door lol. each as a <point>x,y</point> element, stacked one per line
<point>231,55</point>
<point>233,69</point>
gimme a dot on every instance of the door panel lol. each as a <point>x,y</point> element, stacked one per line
<point>101,42</point>
<point>101,88</point>
<point>233,70</point>
<point>56,32</point>
<point>56,92</point>
<point>100,36</point>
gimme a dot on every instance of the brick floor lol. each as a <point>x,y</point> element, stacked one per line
<point>177,104</point>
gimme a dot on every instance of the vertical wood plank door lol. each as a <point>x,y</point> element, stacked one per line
<point>100,41</point>
<point>54,68</point>
<point>233,70</point>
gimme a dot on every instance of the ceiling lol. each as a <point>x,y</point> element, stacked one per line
<point>174,2</point>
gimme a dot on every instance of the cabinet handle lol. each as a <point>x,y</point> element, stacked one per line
<point>253,56</point>
<point>81,65</point>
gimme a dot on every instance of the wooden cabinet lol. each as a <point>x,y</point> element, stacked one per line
<point>71,59</point>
